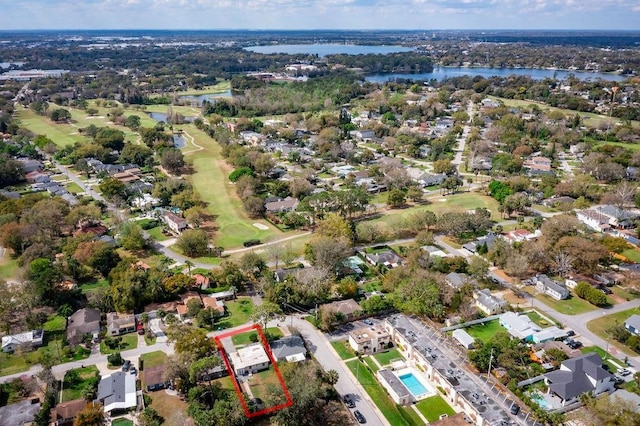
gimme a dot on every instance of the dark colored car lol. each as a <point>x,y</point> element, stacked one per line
<point>251,243</point>
<point>126,365</point>
<point>515,409</point>
<point>359,417</point>
<point>571,333</point>
<point>367,321</point>
<point>348,400</point>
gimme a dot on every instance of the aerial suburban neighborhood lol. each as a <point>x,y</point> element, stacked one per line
<point>195,232</point>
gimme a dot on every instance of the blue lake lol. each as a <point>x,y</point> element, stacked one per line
<point>199,99</point>
<point>179,141</point>
<point>327,49</point>
<point>160,116</point>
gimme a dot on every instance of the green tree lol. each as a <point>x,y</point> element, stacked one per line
<point>266,312</point>
<point>396,198</point>
<point>193,242</point>
<point>132,236</point>
<point>172,160</point>
<point>132,122</point>
<point>110,138</point>
<point>112,188</point>
<point>60,115</point>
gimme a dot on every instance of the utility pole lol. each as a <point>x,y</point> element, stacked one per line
<point>490,360</point>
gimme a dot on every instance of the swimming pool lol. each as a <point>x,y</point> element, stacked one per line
<point>543,403</point>
<point>414,385</point>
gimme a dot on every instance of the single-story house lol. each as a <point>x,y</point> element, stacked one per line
<point>552,288</point>
<point>487,240</point>
<point>457,280</point>
<point>289,204</point>
<point>20,413</point>
<point>519,326</point>
<point>579,375</point>
<point>153,378</point>
<point>28,340</point>
<point>434,251</point>
<point>81,322</point>
<point>250,359</point>
<point>289,348</point>
<point>223,295</point>
<point>488,303</point>
<point>632,324</point>
<point>346,307</point>
<point>118,324</point>
<point>369,340</point>
<point>548,334</point>
<point>201,281</point>
<point>118,391</point>
<point>65,413</point>
<point>388,258</point>
<point>394,386</point>
<point>465,339</point>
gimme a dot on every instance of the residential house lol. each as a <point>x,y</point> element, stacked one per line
<point>30,165</point>
<point>632,324</point>
<point>347,307</point>
<point>457,280</point>
<point>553,288</point>
<point>548,334</point>
<point>224,295</point>
<point>281,274</point>
<point>388,258</point>
<point>251,137</point>
<point>618,218</point>
<point>202,282</point>
<point>249,359</point>
<point>81,322</point>
<point>488,303</point>
<point>519,235</point>
<point>118,391</point>
<point>118,324</point>
<point>28,340</point>
<point>538,165</point>
<point>364,135</point>
<point>176,223</point>
<point>289,348</point>
<point>489,103</point>
<point>593,219</point>
<point>519,326</point>
<point>20,413</point>
<point>289,204</point>
<point>465,339</point>
<point>434,251</point>
<point>582,374</point>
<point>37,177</point>
<point>486,240</point>
<point>153,378</point>
<point>427,179</point>
<point>556,201</point>
<point>65,413</point>
<point>369,340</point>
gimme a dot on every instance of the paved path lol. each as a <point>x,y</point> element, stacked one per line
<point>462,140</point>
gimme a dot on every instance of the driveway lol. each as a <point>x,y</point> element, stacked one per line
<point>154,325</point>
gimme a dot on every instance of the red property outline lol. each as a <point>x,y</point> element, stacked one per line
<point>265,345</point>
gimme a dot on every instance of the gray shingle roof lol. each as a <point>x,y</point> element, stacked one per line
<point>633,321</point>
<point>573,383</point>
<point>287,346</point>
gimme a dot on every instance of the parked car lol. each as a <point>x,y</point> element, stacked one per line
<point>250,243</point>
<point>348,400</point>
<point>624,372</point>
<point>359,417</point>
<point>367,321</point>
<point>618,379</point>
<point>571,333</point>
<point>515,409</point>
<point>126,365</point>
<point>133,371</point>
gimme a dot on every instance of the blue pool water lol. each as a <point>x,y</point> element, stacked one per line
<point>413,384</point>
<point>541,402</point>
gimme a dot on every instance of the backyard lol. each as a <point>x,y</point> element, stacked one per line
<point>238,312</point>
<point>395,414</point>
<point>385,358</point>
<point>484,331</point>
<point>262,384</point>
<point>343,349</point>
<point>76,380</point>
<point>168,406</point>
<point>433,407</point>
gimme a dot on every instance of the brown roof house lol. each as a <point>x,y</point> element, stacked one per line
<point>289,204</point>
<point>83,321</point>
<point>346,307</point>
<point>118,324</point>
<point>153,378</point>
<point>65,413</point>
<point>176,223</point>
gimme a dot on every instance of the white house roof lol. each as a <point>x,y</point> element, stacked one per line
<point>463,337</point>
<point>519,326</point>
<point>249,356</point>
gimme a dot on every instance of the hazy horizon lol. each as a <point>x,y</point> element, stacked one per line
<point>420,15</point>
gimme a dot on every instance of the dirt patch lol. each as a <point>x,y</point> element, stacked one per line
<point>167,405</point>
<point>513,299</point>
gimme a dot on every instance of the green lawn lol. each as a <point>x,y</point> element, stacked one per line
<point>395,414</point>
<point>261,384</point>
<point>484,331</point>
<point>372,364</point>
<point>94,285</point>
<point>73,390</point>
<point>343,349</point>
<point>632,254</point>
<point>621,292</point>
<point>536,318</point>
<point>121,422</point>
<point>432,408</point>
<point>221,87</point>
<point>571,306</point>
<point>211,181</point>
<point>154,359</point>
<point>74,188</point>
<point>600,325</point>
<point>238,312</point>
<point>129,341</point>
<point>605,357</point>
<point>8,267</point>
<point>246,338</point>
<point>157,234</point>
<point>385,358</point>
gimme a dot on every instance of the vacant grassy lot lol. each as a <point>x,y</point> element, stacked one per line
<point>261,383</point>
<point>154,359</point>
<point>484,331</point>
<point>157,234</point>
<point>129,341</point>
<point>212,183</point>
<point>72,389</point>
<point>8,267</point>
<point>395,414</point>
<point>238,312</point>
<point>246,338</point>
<point>571,306</point>
<point>621,292</point>
<point>385,358</point>
<point>600,325</point>
<point>343,349</point>
<point>93,285</point>
<point>432,408</point>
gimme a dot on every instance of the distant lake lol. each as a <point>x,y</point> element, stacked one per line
<point>441,73</point>
<point>327,49</point>
<point>160,116</point>
<point>199,99</point>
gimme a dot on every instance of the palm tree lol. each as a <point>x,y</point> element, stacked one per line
<point>189,265</point>
<point>331,377</point>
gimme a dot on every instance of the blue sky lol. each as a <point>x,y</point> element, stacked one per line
<point>320,14</point>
